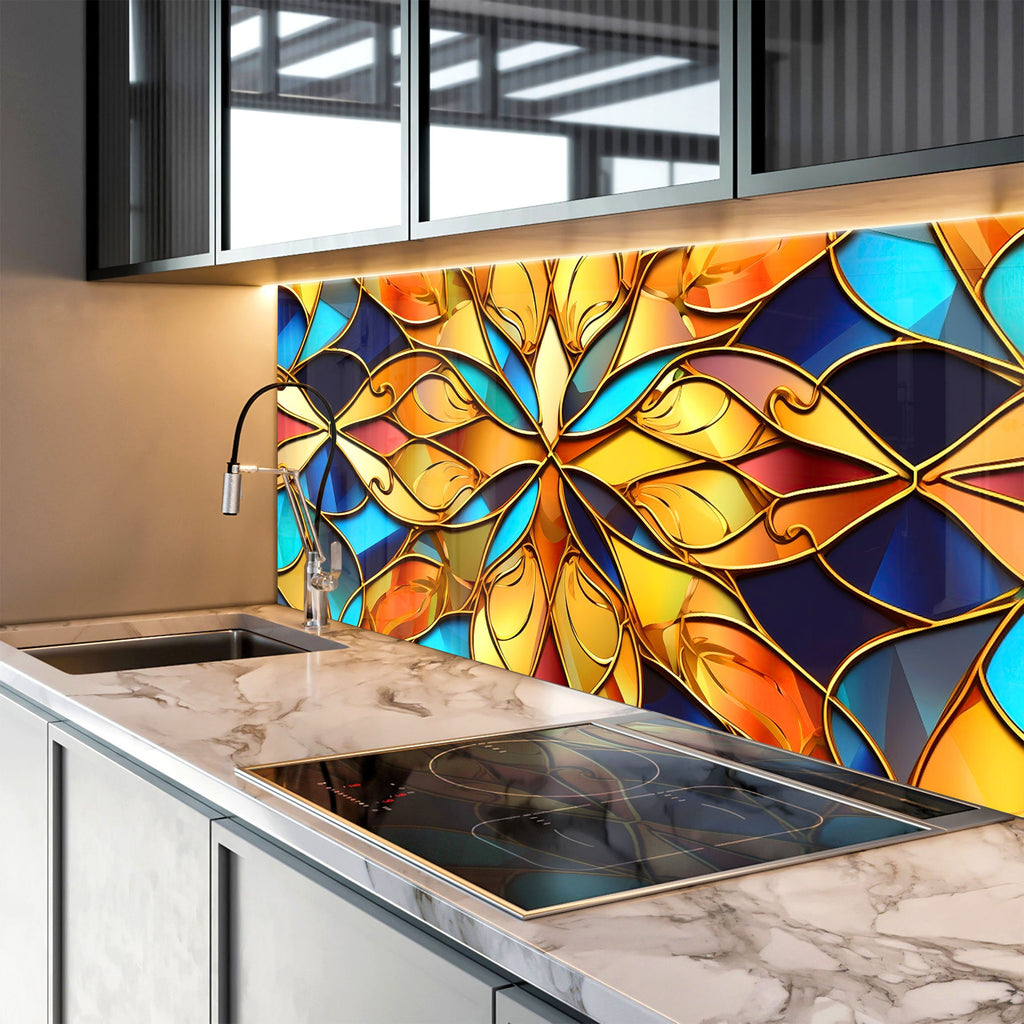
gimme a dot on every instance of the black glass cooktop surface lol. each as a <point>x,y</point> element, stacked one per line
<point>543,820</point>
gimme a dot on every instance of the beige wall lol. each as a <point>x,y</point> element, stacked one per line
<point>117,401</point>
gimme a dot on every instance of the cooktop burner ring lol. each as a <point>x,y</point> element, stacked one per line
<point>584,779</point>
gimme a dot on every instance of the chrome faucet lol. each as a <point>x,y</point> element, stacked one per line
<point>319,579</point>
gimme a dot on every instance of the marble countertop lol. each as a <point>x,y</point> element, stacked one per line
<point>925,931</point>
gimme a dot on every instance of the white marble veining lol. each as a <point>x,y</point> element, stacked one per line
<point>916,933</point>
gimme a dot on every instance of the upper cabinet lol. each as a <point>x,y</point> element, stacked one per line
<point>314,137</point>
<point>547,109</point>
<point>858,90</point>
<point>150,143</point>
<point>229,132</point>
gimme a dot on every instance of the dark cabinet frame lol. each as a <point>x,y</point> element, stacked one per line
<point>737,179</point>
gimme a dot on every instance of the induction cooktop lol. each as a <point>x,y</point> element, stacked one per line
<point>552,819</point>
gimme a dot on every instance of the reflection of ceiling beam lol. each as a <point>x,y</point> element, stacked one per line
<point>615,92</point>
<point>608,20</point>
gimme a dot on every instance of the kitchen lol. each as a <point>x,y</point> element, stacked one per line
<point>121,396</point>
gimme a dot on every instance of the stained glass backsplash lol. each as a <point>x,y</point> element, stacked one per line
<point>772,487</point>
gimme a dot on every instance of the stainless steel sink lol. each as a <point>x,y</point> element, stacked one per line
<point>177,649</point>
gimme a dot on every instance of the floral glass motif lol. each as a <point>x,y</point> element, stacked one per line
<point>774,487</point>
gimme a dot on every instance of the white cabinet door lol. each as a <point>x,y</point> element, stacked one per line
<point>297,946</point>
<point>132,873</point>
<point>514,1006</point>
<point>23,875</point>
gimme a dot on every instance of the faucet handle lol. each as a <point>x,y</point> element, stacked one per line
<point>328,580</point>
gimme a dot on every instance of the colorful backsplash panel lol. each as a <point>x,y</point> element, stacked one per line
<point>774,487</point>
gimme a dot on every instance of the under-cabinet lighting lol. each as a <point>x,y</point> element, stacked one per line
<point>631,69</point>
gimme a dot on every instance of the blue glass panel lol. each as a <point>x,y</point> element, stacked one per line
<point>493,495</point>
<point>291,326</point>
<point>354,612</point>
<point>1005,673</point>
<point>813,323</point>
<point>514,370</point>
<point>613,511</point>
<point>898,690</point>
<point>450,634</point>
<point>591,539</point>
<point>591,369</point>
<point>373,335</point>
<point>344,489</point>
<point>338,299</point>
<point>1003,293</point>
<point>335,373</point>
<point>623,389</point>
<point>493,394</point>
<point>514,524</point>
<point>917,398</point>
<point>913,556</point>
<point>374,536</point>
<point>289,543</point>
<point>853,751</point>
<point>811,617</point>
<point>903,275</point>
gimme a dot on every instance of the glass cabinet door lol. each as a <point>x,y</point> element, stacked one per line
<point>551,101</point>
<point>149,132</point>
<point>313,138</point>
<point>834,81</point>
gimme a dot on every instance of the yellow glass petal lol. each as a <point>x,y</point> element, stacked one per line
<point>516,297</point>
<point>586,622</point>
<point>589,293</point>
<point>697,507</point>
<point>654,323</point>
<point>975,757</point>
<point>433,475</point>
<point>517,609</point>
<point>551,371</point>
<point>701,416</point>
<point>630,453</point>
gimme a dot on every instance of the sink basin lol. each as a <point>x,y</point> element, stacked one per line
<point>158,651</point>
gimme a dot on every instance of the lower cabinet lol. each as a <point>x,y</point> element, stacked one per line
<point>293,944</point>
<point>127,900</point>
<point>514,1006</point>
<point>23,873</point>
<point>131,868</point>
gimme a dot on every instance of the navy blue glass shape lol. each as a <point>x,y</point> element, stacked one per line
<point>812,322</point>
<point>291,326</point>
<point>591,539</point>
<point>917,398</point>
<point>915,557</point>
<point>344,489</point>
<point>614,512</point>
<point>373,335</point>
<point>811,617</point>
<point>667,696</point>
<point>336,373</point>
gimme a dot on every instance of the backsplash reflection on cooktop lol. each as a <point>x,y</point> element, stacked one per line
<point>542,819</point>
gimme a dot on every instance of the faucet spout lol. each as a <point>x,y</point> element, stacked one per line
<point>320,579</point>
